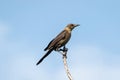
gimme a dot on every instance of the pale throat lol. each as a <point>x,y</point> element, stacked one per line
<point>68,29</point>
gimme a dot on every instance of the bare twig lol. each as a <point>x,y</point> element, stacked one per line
<point>64,53</point>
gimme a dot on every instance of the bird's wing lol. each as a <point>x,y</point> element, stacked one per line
<point>56,39</point>
<point>48,45</point>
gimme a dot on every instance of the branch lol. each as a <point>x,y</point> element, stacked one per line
<point>64,53</point>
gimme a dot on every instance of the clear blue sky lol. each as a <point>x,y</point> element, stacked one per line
<point>27,26</point>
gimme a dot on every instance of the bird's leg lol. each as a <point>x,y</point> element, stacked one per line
<point>65,51</point>
<point>59,50</point>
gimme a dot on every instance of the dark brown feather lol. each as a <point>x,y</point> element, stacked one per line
<point>59,41</point>
<point>44,56</point>
<point>58,38</point>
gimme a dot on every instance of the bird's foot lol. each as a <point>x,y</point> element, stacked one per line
<point>64,54</point>
<point>63,51</point>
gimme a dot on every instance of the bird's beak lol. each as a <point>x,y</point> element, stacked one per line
<point>77,25</point>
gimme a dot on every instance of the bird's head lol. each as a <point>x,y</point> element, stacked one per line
<point>71,26</point>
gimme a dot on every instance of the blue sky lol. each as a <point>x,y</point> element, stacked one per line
<point>27,26</point>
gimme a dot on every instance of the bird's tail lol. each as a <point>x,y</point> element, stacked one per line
<point>44,56</point>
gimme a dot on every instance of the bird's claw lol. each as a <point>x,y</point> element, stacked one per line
<point>65,49</point>
<point>64,55</point>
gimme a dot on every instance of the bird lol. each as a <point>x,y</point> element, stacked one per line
<point>59,41</point>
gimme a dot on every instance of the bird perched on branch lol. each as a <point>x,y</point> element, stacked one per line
<point>59,41</point>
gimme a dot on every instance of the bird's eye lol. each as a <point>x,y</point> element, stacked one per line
<point>72,24</point>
